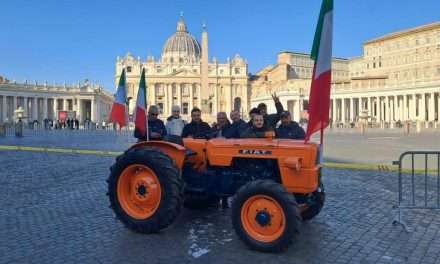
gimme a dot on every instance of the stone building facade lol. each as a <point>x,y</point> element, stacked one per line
<point>185,76</point>
<point>44,101</point>
<point>396,79</point>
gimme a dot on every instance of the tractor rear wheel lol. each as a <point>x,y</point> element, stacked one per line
<point>145,190</point>
<point>265,216</point>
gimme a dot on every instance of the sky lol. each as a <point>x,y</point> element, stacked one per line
<point>69,41</point>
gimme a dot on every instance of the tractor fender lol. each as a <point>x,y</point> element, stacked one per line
<point>175,151</point>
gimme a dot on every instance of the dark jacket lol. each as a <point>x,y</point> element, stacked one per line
<point>224,132</point>
<point>271,120</point>
<point>291,130</point>
<point>236,129</point>
<point>153,126</point>
<point>253,132</point>
<point>196,130</point>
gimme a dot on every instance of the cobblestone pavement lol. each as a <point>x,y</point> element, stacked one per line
<point>54,210</point>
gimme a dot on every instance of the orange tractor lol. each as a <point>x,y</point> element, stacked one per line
<point>275,183</point>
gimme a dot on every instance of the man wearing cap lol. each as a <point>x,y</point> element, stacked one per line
<point>175,123</point>
<point>288,128</point>
<point>156,128</point>
<point>271,120</point>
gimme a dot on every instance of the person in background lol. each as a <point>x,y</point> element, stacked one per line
<point>271,120</point>
<point>258,128</point>
<point>254,111</point>
<point>237,127</point>
<point>175,123</point>
<point>288,128</point>
<point>197,128</point>
<point>156,128</point>
<point>221,127</point>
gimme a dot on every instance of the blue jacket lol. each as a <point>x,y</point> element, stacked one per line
<point>291,130</point>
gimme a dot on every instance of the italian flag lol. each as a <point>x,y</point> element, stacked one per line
<point>319,100</point>
<point>119,108</point>
<point>140,113</point>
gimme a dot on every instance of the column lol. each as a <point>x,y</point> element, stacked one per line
<point>151,92</point>
<point>360,107</point>
<point>370,107</point>
<point>4,109</point>
<point>65,106</point>
<point>191,97</point>
<point>431,109</point>
<point>423,107</point>
<point>334,117</point>
<point>35,108</point>
<point>216,101</point>
<point>386,109</point>
<point>55,109</point>
<point>14,103</point>
<point>343,110</point>
<point>25,106</point>
<point>413,112</point>
<point>170,99</point>
<point>351,109</point>
<point>392,108</point>
<point>92,110</point>
<point>179,91</point>
<point>405,109</point>
<point>79,107</point>
<point>45,108</point>
<point>380,108</point>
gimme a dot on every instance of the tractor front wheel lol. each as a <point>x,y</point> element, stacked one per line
<point>265,216</point>
<point>145,190</point>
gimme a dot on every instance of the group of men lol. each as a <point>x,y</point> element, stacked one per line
<point>260,123</point>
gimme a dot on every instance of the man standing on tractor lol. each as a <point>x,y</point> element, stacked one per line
<point>238,125</point>
<point>221,127</point>
<point>271,120</point>
<point>258,128</point>
<point>197,128</point>
<point>156,128</point>
<point>288,128</point>
<point>175,123</point>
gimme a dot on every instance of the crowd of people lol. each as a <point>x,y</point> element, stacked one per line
<point>260,123</point>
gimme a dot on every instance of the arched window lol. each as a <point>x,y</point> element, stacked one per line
<point>237,104</point>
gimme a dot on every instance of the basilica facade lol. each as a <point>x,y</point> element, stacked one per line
<point>186,76</point>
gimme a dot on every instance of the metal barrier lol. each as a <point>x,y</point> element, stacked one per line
<point>413,192</point>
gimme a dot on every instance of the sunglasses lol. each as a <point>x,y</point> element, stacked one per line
<point>154,114</point>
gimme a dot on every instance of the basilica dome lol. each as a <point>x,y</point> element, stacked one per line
<point>181,47</point>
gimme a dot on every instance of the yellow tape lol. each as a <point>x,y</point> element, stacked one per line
<point>61,150</point>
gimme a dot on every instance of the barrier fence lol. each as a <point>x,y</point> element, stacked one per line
<point>418,182</point>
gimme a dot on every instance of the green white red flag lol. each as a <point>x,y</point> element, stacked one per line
<point>140,113</point>
<point>319,100</point>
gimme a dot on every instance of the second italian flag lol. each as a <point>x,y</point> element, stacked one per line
<point>319,100</point>
<point>140,113</point>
